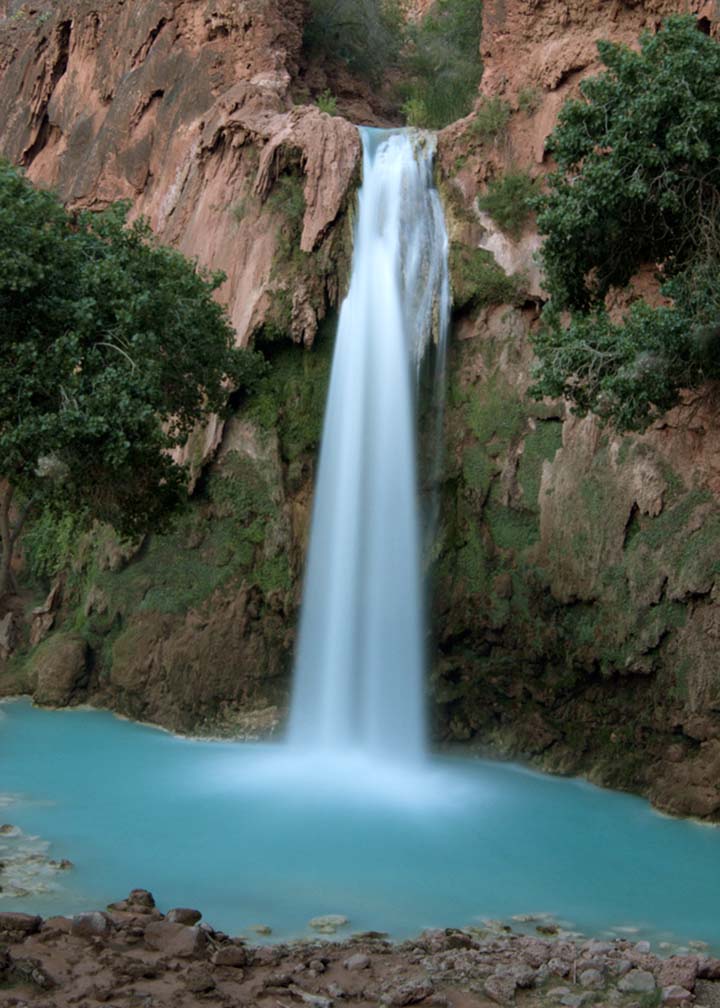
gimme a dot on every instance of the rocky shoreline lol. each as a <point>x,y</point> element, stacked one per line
<point>133,956</point>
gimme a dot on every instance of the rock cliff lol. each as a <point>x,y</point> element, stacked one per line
<point>577,614</point>
<point>578,569</point>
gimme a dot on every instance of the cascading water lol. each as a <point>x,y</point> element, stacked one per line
<point>360,664</point>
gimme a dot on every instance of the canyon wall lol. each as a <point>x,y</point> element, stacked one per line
<point>577,618</point>
<point>577,582</point>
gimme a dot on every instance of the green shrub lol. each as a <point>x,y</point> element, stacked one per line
<point>529,99</point>
<point>477,280</point>
<point>365,35</point>
<point>509,201</point>
<point>638,181</point>
<point>415,113</point>
<point>327,102</point>
<point>491,118</point>
<point>287,199</point>
<point>443,61</point>
<point>238,210</point>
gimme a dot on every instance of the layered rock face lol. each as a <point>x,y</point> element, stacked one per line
<point>579,610</point>
<point>186,110</point>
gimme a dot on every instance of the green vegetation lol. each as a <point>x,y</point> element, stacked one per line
<point>365,35</point>
<point>327,102</point>
<point>438,56</point>
<point>287,199</point>
<point>477,280</point>
<point>638,182</point>
<point>491,118</point>
<point>114,348</point>
<point>529,99</point>
<point>442,60</point>
<point>509,201</point>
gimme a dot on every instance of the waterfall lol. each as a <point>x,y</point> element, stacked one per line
<point>359,675</point>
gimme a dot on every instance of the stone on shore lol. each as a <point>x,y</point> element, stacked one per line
<point>637,981</point>
<point>95,924</point>
<point>231,955</point>
<point>176,939</point>
<point>24,923</point>
<point>183,915</point>
<point>676,995</point>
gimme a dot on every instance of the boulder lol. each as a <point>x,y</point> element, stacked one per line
<point>25,923</point>
<point>676,995</point>
<point>60,669</point>
<point>500,989</point>
<point>176,939</point>
<point>678,971</point>
<point>408,993</point>
<point>230,955</point>
<point>637,981</point>
<point>359,961</point>
<point>96,924</point>
<point>592,979</point>
<point>183,915</point>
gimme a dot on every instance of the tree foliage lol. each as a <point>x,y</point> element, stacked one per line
<point>438,56</point>
<point>113,348</point>
<point>366,35</point>
<point>442,60</point>
<point>638,182</point>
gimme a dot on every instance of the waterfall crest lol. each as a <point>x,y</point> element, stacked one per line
<point>359,675</point>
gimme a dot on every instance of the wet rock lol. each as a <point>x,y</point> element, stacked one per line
<point>95,924</point>
<point>25,923</point>
<point>176,939</point>
<point>183,915</point>
<point>359,961</point>
<point>261,929</point>
<point>678,971</point>
<point>333,921</point>
<point>637,981</point>
<point>676,995</point>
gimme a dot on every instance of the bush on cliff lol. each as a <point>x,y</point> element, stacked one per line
<point>365,35</point>
<point>442,61</point>
<point>113,349</point>
<point>638,182</point>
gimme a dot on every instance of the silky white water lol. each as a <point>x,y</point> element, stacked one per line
<point>358,681</point>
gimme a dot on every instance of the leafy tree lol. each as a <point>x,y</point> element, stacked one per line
<point>366,35</point>
<point>443,62</point>
<point>638,181</point>
<point>113,349</point>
